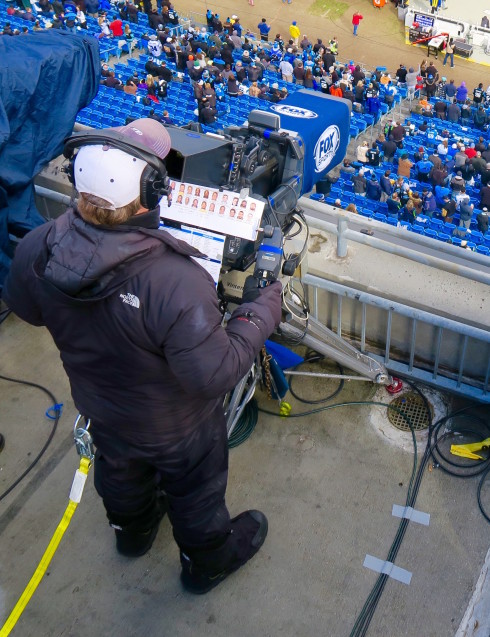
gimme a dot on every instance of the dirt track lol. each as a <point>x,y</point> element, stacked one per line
<point>380,40</point>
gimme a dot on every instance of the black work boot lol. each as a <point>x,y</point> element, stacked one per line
<point>203,570</point>
<point>136,534</point>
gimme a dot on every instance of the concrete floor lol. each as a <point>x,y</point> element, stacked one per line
<point>326,482</point>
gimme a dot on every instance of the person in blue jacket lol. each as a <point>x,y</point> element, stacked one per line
<point>264,29</point>
<point>424,166</point>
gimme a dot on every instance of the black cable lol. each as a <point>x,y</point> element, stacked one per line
<point>313,358</point>
<point>57,413</point>
<point>478,494</point>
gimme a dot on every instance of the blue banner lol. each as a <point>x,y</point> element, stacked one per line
<point>323,124</point>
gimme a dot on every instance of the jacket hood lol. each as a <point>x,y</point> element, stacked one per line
<point>89,262</point>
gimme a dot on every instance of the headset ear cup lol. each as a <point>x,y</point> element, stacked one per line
<point>149,195</point>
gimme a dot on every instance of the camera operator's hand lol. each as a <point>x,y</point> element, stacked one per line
<point>269,295</point>
<point>251,291</point>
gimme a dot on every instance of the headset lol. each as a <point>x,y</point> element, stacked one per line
<point>154,183</point>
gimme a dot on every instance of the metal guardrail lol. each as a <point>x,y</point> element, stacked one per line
<point>395,240</point>
<point>454,356</point>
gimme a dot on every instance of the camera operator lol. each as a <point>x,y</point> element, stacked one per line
<point>140,334</point>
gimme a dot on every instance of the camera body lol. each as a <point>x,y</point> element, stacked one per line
<point>275,157</point>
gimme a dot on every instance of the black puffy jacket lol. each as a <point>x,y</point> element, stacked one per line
<point>136,321</point>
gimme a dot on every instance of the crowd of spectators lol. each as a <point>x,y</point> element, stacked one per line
<point>222,60</point>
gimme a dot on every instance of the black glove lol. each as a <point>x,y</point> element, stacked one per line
<point>270,296</point>
<point>251,290</point>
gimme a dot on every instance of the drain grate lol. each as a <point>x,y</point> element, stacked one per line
<point>413,406</point>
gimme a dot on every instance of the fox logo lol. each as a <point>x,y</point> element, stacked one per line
<point>326,147</point>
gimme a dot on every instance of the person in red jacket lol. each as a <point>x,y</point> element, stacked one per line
<point>116,26</point>
<point>356,18</point>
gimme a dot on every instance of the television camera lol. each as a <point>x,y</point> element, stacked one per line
<point>274,157</point>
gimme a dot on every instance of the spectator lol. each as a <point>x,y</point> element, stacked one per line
<point>453,113</point>
<point>233,89</point>
<point>389,148</point>
<point>408,212</point>
<point>352,208</point>
<point>428,202</point>
<point>465,213</point>
<point>373,189</point>
<point>485,197</point>
<point>411,80</point>
<point>294,32</point>
<point>116,26</point>
<point>461,93</point>
<point>398,133</point>
<point>482,221</point>
<point>424,166</point>
<point>386,186</point>
<point>359,182</point>
<point>373,155</point>
<point>449,52</point>
<point>457,183</point>
<point>361,152</point>
<point>286,70</point>
<point>450,90</point>
<point>478,94</point>
<point>480,118</point>
<point>264,29</point>
<point>440,109</point>
<point>448,209</point>
<point>394,205</point>
<point>404,166</point>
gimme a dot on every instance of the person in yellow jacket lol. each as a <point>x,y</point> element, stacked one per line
<point>294,32</point>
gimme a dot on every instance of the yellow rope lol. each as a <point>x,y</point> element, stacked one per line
<point>42,567</point>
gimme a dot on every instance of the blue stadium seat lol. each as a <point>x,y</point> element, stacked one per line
<point>377,216</point>
<point>428,232</point>
<point>436,224</point>
<point>364,212</point>
<point>456,241</point>
<point>449,227</point>
<point>442,236</point>
<point>483,250</point>
<point>476,237</point>
<point>417,229</point>
<point>393,221</point>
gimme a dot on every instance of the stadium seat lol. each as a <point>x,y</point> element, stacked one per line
<point>417,229</point>
<point>476,236</point>
<point>436,224</point>
<point>428,232</point>
<point>365,212</point>
<point>392,221</point>
<point>377,216</point>
<point>442,236</point>
<point>483,250</point>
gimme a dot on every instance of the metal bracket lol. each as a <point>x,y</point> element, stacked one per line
<point>83,439</point>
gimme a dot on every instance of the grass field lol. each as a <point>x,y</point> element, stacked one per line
<point>331,9</point>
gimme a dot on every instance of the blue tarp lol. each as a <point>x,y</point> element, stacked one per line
<point>323,123</point>
<point>45,79</point>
